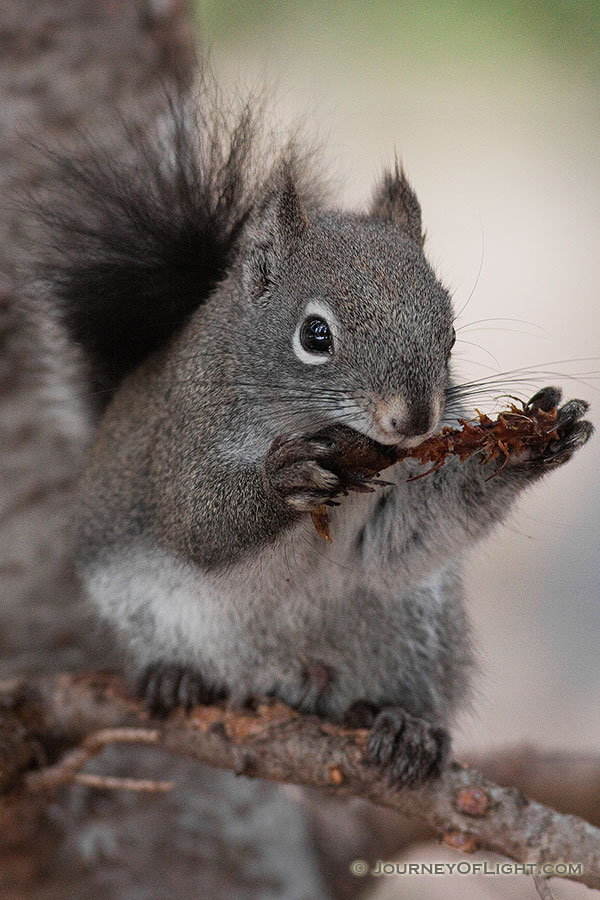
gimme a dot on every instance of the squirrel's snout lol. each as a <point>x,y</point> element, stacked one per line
<point>407,424</point>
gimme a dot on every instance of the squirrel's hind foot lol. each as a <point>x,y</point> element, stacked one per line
<point>409,749</point>
<point>165,686</point>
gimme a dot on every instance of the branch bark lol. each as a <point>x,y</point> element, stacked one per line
<point>42,720</point>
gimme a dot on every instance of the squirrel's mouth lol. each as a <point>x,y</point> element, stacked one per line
<point>389,424</point>
<point>393,439</point>
<point>389,439</point>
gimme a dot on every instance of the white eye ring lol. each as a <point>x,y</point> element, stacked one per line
<point>319,310</point>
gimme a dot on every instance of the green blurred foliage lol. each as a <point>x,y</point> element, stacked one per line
<point>568,31</point>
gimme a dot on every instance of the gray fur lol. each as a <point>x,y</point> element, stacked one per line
<point>192,549</point>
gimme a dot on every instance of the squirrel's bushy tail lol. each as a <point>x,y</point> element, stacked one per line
<point>135,240</point>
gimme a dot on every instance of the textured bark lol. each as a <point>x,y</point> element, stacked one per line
<point>465,808</point>
<point>67,67</point>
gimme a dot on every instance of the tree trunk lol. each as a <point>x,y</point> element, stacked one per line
<point>65,66</point>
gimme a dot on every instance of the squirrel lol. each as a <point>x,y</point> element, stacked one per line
<point>224,312</point>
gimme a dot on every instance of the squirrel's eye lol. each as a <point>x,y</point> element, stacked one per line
<point>315,335</point>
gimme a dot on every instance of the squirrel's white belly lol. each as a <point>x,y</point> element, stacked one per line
<point>301,621</point>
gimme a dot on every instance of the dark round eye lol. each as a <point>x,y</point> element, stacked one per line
<point>315,335</point>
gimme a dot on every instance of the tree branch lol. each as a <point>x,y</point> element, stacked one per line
<point>68,769</point>
<point>50,726</point>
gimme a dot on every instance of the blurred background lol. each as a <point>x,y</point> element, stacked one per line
<point>494,110</point>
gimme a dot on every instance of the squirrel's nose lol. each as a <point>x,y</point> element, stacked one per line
<point>400,420</point>
<point>418,420</point>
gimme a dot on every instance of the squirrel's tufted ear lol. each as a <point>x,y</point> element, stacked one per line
<point>395,201</point>
<point>278,221</point>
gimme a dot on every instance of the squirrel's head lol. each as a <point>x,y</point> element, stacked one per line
<point>342,317</point>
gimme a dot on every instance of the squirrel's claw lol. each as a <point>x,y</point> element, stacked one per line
<point>165,686</point>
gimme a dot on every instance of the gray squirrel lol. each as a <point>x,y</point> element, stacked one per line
<point>224,314</point>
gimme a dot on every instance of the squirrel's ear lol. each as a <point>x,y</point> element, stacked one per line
<point>279,220</point>
<point>395,201</point>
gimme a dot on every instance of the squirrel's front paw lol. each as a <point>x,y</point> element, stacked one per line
<point>410,750</point>
<point>296,470</point>
<point>572,429</point>
<point>308,471</point>
<point>164,686</point>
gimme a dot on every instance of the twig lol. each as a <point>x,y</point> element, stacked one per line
<point>276,743</point>
<point>110,783</point>
<point>67,769</point>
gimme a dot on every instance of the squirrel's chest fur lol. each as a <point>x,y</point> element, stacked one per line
<point>316,624</point>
